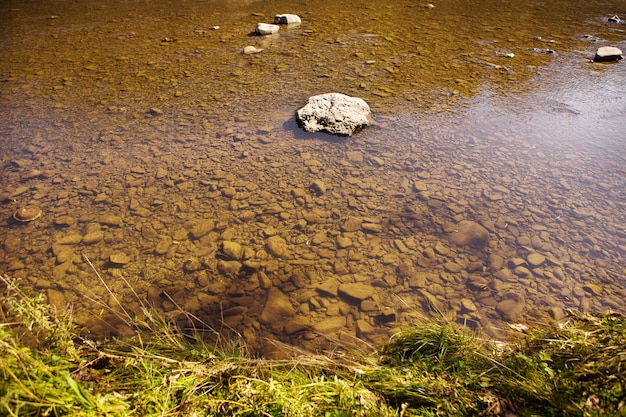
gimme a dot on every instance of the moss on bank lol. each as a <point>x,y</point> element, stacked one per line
<point>577,368</point>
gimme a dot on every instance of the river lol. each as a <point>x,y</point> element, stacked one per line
<point>171,174</point>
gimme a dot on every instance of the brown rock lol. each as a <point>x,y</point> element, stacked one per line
<point>231,250</point>
<point>511,306</point>
<point>522,272</point>
<point>111,220</point>
<point>535,259</point>
<point>469,233</point>
<point>160,173</point>
<point>15,265</point>
<point>153,296</point>
<point>202,229</point>
<point>364,328</point>
<point>163,246</point>
<point>556,313</point>
<point>57,300</point>
<point>192,265</point>
<point>92,238</point>
<point>453,267</point>
<point>351,225</point>
<point>432,302</point>
<point>417,279</point>
<point>505,275</point>
<point>64,221</point>
<point>343,242</point>
<point>496,262</point>
<point>477,283</point>
<point>69,240</point>
<point>356,291</point>
<point>277,310</point>
<point>515,262</point>
<point>311,218</point>
<point>277,246</point>
<point>330,325</point>
<point>372,227</point>
<point>318,187</point>
<point>297,324</point>
<point>319,238</point>
<point>594,289</point>
<point>119,259</point>
<point>476,266</point>
<point>14,243</point>
<point>63,253</point>
<point>230,268</point>
<point>148,232</point>
<point>468,305</point>
<point>330,287</point>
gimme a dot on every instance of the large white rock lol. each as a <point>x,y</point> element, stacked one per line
<point>334,113</point>
<point>266,29</point>
<point>287,19</point>
<point>608,53</point>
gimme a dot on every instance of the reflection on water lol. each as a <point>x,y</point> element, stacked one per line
<point>168,165</point>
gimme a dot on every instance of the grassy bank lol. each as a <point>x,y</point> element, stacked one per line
<point>436,368</point>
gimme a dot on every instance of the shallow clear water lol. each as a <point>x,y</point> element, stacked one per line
<point>150,142</point>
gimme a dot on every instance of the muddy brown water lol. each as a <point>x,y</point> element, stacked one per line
<point>171,174</point>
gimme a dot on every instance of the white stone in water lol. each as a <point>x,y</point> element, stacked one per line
<point>334,113</point>
<point>266,29</point>
<point>287,19</point>
<point>249,50</point>
<point>608,53</point>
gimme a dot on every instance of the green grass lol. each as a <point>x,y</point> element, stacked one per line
<point>432,368</point>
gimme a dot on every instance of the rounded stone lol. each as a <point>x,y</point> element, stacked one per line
<point>93,237</point>
<point>535,259</point>
<point>232,250</point>
<point>64,221</point>
<point>119,259</point>
<point>511,307</point>
<point>203,228</point>
<point>27,214</point>
<point>468,305</point>
<point>192,265</point>
<point>111,220</point>
<point>277,246</point>
<point>469,233</point>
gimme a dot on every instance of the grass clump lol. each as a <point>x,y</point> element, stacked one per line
<point>46,369</point>
<point>434,368</point>
<point>575,369</point>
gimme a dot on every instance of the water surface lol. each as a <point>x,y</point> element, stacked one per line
<point>150,142</point>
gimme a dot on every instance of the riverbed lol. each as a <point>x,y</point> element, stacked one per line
<point>171,174</point>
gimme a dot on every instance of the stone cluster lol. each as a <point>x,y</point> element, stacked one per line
<point>358,237</point>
